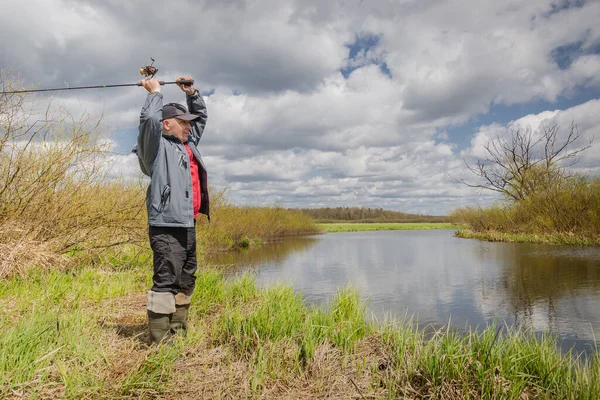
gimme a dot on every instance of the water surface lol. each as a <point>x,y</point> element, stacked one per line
<point>440,279</point>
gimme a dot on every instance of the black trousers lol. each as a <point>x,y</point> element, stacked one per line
<point>174,259</point>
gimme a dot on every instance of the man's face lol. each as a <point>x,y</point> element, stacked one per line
<point>178,128</point>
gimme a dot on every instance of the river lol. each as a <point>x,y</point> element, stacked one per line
<point>438,279</point>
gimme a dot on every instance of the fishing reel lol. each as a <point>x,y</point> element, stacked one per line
<point>149,70</point>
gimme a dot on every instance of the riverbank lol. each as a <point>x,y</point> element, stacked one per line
<point>82,333</point>
<point>553,238</point>
<point>358,227</point>
<point>565,213</point>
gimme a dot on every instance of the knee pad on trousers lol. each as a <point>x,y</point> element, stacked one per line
<point>161,302</point>
<point>182,299</point>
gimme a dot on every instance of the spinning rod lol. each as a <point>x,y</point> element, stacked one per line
<point>148,71</point>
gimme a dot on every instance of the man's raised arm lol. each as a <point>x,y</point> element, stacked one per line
<point>196,105</point>
<point>150,129</point>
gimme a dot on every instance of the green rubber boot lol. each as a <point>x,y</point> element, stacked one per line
<point>179,320</point>
<point>159,326</point>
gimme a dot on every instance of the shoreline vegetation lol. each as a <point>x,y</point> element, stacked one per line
<point>75,266</point>
<point>566,213</point>
<point>569,239</point>
<point>542,200</point>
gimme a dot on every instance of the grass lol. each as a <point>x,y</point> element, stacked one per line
<point>233,227</point>
<point>358,227</point>
<point>80,334</point>
<point>52,339</point>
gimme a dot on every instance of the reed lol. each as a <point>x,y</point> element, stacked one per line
<point>233,227</point>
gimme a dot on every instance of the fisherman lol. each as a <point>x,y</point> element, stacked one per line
<point>167,149</point>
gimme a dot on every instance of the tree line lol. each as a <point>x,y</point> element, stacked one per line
<point>367,214</point>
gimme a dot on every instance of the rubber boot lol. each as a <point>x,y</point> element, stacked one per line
<point>159,326</point>
<point>179,320</point>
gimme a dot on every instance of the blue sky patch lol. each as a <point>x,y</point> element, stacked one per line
<point>565,55</point>
<point>562,5</point>
<point>362,44</point>
<point>503,114</point>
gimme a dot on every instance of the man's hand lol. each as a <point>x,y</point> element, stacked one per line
<point>152,85</point>
<point>188,89</point>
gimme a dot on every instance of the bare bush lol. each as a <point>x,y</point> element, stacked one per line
<point>527,163</point>
<point>54,188</point>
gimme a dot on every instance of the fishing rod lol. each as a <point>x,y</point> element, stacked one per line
<point>148,71</point>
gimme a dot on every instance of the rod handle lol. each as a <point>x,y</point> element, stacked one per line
<point>162,83</point>
<point>184,82</point>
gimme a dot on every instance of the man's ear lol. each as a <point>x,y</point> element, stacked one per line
<point>166,125</point>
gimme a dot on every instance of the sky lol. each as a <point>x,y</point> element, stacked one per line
<point>339,103</point>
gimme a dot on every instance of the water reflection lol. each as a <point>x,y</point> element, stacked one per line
<point>550,288</point>
<point>274,253</point>
<point>441,279</point>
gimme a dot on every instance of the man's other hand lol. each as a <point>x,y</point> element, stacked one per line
<point>188,89</point>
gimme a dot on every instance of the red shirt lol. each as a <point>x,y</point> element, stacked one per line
<point>196,196</point>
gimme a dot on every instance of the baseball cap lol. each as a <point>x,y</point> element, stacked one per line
<point>174,110</point>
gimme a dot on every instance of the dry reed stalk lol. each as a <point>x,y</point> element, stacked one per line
<point>19,253</point>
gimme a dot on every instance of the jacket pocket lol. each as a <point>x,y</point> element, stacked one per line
<point>164,198</point>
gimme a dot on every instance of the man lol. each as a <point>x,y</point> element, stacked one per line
<point>178,192</point>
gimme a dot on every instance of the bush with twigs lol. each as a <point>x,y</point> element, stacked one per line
<point>56,195</point>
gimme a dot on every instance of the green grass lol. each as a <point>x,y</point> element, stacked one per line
<point>358,227</point>
<point>60,339</point>
<point>51,332</point>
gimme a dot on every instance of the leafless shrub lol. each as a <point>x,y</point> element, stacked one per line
<point>54,190</point>
<point>527,163</point>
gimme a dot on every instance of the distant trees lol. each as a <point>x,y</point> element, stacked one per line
<point>527,163</point>
<point>364,214</point>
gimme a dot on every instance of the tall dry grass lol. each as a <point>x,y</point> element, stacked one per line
<point>234,227</point>
<point>571,208</point>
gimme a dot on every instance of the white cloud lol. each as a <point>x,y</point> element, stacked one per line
<point>298,133</point>
<point>586,69</point>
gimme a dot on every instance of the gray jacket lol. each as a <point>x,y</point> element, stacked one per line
<point>164,159</point>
